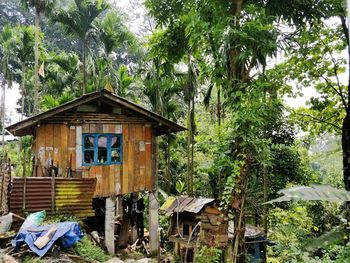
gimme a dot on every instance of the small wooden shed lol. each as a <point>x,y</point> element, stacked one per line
<point>99,135</point>
<point>195,221</point>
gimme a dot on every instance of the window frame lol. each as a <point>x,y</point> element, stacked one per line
<point>95,148</point>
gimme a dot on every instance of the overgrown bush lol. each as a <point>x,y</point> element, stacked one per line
<point>87,250</point>
<point>31,259</point>
<point>208,254</point>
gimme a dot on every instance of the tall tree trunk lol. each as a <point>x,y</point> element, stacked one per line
<point>193,130</point>
<point>36,61</point>
<point>266,208</point>
<point>346,157</point>
<point>84,64</point>
<point>238,205</point>
<point>167,165</point>
<point>189,132</point>
<point>235,74</point>
<point>346,124</point>
<point>3,116</point>
<point>218,107</point>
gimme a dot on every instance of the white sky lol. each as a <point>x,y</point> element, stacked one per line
<point>11,98</point>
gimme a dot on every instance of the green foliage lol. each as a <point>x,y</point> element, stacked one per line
<point>78,20</point>
<point>57,218</point>
<point>208,254</point>
<point>32,259</point>
<point>289,229</point>
<point>87,250</point>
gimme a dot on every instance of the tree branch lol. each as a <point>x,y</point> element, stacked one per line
<point>335,68</point>
<point>339,92</point>
<point>318,120</point>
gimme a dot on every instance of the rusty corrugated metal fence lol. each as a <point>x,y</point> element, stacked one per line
<point>66,196</point>
<point>5,177</point>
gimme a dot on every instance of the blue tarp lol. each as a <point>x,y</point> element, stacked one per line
<point>68,232</point>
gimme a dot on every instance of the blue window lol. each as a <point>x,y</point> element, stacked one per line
<point>102,149</point>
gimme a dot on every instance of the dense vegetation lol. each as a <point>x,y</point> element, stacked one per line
<point>223,69</point>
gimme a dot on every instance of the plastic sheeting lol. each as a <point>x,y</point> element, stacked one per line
<point>68,233</point>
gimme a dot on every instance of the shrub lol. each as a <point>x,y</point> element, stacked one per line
<point>208,254</point>
<point>87,250</point>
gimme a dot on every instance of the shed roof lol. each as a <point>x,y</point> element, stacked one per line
<point>104,97</point>
<point>250,231</point>
<point>185,204</point>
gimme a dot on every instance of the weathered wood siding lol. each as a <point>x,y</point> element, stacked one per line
<point>61,145</point>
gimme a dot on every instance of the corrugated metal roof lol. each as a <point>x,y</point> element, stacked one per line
<point>185,204</point>
<point>250,231</point>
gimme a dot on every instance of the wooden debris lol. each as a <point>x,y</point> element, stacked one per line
<point>8,259</point>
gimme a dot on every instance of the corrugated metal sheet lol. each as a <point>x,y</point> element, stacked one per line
<point>250,231</point>
<point>71,196</point>
<point>74,196</point>
<point>36,197</point>
<point>185,204</point>
<point>5,177</point>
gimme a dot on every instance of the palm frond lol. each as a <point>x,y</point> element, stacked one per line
<point>312,193</point>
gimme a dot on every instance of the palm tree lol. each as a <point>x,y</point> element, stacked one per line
<point>78,21</point>
<point>160,89</point>
<point>40,6</point>
<point>25,41</point>
<point>62,74</point>
<point>190,89</point>
<point>114,35</point>
<point>6,48</point>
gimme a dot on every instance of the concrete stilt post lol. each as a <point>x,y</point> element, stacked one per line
<point>109,225</point>
<point>153,224</point>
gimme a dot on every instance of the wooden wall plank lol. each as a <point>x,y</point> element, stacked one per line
<point>100,180</point>
<point>92,128</point>
<point>139,132</point>
<point>125,174</point>
<point>64,150</point>
<point>57,145</point>
<point>137,182</point>
<point>148,157</point>
<point>105,179</point>
<point>78,148</point>
<point>118,128</point>
<point>99,128</point>
<point>40,130</point>
<point>85,128</point>
<point>153,158</point>
<point>142,148</point>
<point>48,144</point>
<point>130,164</point>
<point>117,179</point>
<point>71,148</point>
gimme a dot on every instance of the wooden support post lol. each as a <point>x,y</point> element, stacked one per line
<point>119,206</point>
<point>134,228</point>
<point>53,195</point>
<point>153,224</point>
<point>109,225</point>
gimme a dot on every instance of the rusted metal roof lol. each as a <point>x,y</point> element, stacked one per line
<point>185,204</point>
<point>250,231</point>
<point>100,98</point>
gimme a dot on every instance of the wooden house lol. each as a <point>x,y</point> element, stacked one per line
<point>195,221</point>
<point>103,136</point>
<point>98,135</point>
